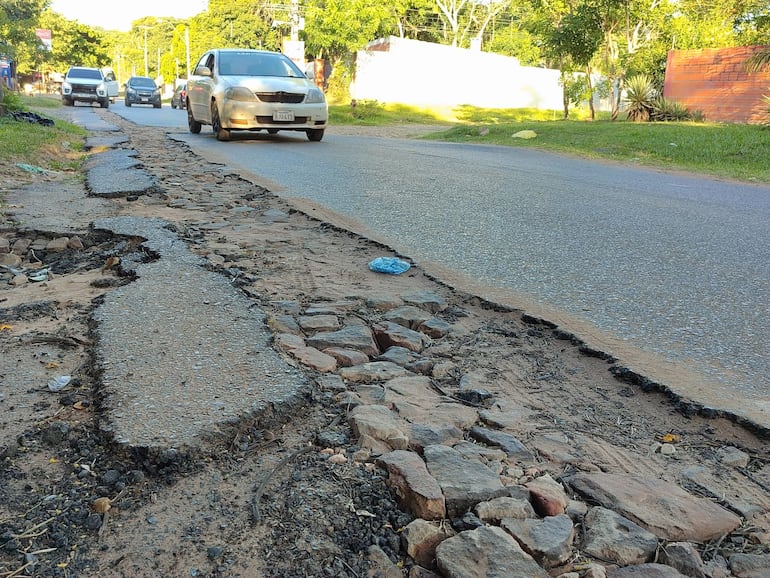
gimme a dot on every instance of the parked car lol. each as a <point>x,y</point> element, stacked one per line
<point>239,89</point>
<point>142,90</point>
<point>179,98</point>
<point>86,84</point>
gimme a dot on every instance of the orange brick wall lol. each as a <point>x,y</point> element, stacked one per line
<point>715,81</point>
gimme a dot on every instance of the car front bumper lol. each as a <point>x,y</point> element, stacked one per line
<point>243,115</point>
<point>142,100</point>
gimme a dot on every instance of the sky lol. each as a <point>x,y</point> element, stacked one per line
<point>119,15</point>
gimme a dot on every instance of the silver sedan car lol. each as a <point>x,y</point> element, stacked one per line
<point>253,90</point>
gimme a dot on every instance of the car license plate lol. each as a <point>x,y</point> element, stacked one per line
<point>283,115</point>
<point>145,99</point>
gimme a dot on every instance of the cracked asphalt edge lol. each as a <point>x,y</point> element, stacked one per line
<point>160,392</point>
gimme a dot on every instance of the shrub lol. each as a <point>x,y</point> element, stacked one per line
<point>640,96</point>
<point>665,109</point>
<point>365,109</point>
<point>12,101</point>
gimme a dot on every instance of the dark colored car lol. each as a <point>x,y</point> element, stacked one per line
<point>142,90</point>
<point>179,98</point>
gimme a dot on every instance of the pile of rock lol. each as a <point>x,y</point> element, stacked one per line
<point>19,257</point>
<point>484,504</point>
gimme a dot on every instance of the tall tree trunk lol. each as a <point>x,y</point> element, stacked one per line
<point>616,103</point>
<point>590,93</point>
<point>564,96</point>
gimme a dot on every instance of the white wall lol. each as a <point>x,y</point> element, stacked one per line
<point>422,73</point>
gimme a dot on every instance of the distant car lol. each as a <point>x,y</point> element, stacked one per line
<point>86,84</point>
<point>179,98</point>
<point>142,90</point>
<point>239,89</point>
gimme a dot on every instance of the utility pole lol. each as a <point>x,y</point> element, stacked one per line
<point>294,20</point>
<point>146,62</point>
<point>187,47</point>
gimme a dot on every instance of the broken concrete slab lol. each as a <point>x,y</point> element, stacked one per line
<point>161,392</point>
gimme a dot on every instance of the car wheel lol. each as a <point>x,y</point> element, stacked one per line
<point>156,105</point>
<point>173,105</point>
<point>315,134</point>
<point>105,103</point>
<point>194,125</point>
<point>128,103</point>
<point>68,102</point>
<point>272,131</point>
<point>216,124</point>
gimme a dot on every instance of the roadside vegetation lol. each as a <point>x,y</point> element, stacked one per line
<point>52,148</point>
<point>29,147</point>
<point>733,151</point>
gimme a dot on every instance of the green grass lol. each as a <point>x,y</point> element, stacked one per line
<point>41,146</point>
<point>41,101</point>
<point>732,151</point>
<point>373,113</point>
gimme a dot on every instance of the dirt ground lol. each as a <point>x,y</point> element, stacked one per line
<point>269,501</point>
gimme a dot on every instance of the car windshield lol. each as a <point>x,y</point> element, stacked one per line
<point>85,73</point>
<point>257,64</point>
<point>143,82</point>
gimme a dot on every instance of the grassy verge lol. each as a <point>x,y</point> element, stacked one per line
<point>57,147</point>
<point>731,151</point>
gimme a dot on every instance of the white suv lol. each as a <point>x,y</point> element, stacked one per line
<point>89,85</point>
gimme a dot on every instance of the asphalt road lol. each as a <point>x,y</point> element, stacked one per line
<point>668,269</point>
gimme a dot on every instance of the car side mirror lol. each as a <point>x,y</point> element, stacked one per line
<point>202,71</point>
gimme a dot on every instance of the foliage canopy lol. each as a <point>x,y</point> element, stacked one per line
<point>617,38</point>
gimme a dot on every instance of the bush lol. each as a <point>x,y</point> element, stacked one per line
<point>665,109</point>
<point>365,109</point>
<point>640,96</point>
<point>12,101</point>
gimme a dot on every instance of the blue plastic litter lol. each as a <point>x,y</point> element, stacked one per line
<point>389,265</point>
<point>31,169</point>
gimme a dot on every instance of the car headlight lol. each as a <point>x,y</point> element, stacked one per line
<point>240,93</point>
<point>130,91</point>
<point>315,96</point>
<point>66,87</point>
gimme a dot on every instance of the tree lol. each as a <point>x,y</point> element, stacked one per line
<point>18,20</point>
<point>415,19</point>
<point>576,40</point>
<point>73,43</point>
<point>510,33</point>
<point>245,23</point>
<point>469,18</point>
<point>334,28</point>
